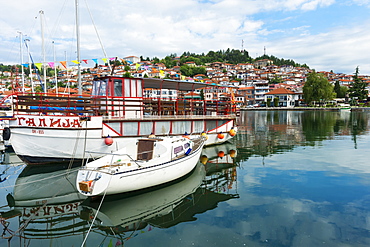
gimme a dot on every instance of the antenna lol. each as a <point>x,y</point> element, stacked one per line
<point>242,47</point>
<point>264,50</point>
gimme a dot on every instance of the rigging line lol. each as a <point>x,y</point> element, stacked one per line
<point>55,176</point>
<point>101,44</point>
<point>98,209</point>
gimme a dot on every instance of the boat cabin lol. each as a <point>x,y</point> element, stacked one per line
<point>119,96</point>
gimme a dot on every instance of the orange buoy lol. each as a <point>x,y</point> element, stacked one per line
<point>108,140</point>
<point>232,153</point>
<point>232,132</point>
<point>221,154</point>
<point>220,135</point>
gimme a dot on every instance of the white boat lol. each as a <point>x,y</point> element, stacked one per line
<point>150,162</point>
<point>51,128</point>
<point>129,213</point>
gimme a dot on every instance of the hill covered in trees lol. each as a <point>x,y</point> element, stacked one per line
<point>229,56</point>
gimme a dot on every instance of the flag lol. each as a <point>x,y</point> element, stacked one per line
<point>137,65</point>
<point>75,61</point>
<point>51,64</point>
<point>25,65</point>
<point>84,60</point>
<point>104,60</point>
<point>95,60</point>
<point>38,65</point>
<point>64,63</point>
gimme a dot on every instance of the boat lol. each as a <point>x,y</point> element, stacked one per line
<point>49,128</point>
<point>346,109</point>
<point>148,163</point>
<point>43,205</point>
<point>57,128</point>
<point>131,212</point>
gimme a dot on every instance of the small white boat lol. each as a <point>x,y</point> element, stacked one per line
<point>151,162</point>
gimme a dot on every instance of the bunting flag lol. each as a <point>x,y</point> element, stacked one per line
<point>177,75</point>
<point>161,72</point>
<point>110,243</point>
<point>95,60</point>
<point>104,60</point>
<point>112,58</point>
<point>84,60</point>
<point>137,65</point>
<point>182,77</point>
<point>75,61</point>
<point>128,62</point>
<point>51,64</point>
<point>25,65</point>
<point>64,63</point>
<point>38,65</point>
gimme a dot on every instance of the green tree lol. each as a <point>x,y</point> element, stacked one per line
<point>317,88</point>
<point>357,88</point>
<point>341,91</point>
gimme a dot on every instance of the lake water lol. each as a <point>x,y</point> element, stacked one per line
<point>290,178</point>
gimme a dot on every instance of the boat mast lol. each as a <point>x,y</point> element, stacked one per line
<point>43,49</point>
<point>78,50</point>
<point>55,70</point>
<point>29,63</point>
<point>21,51</point>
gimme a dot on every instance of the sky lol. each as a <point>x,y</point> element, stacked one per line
<point>327,35</point>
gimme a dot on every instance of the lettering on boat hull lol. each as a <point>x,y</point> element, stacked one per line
<point>49,122</point>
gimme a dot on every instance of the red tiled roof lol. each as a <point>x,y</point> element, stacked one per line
<point>280,91</point>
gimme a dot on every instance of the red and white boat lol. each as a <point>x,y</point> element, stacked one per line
<point>59,128</point>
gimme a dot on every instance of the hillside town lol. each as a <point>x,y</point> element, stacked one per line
<point>249,84</point>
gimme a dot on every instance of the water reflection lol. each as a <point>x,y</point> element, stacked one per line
<point>263,133</point>
<point>45,205</point>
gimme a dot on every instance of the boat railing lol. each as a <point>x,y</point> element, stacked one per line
<point>52,104</point>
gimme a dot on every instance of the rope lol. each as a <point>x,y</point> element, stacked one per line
<point>98,209</point>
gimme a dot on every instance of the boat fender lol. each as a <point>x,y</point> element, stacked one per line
<point>204,134</point>
<point>204,159</point>
<point>108,140</point>
<point>220,135</point>
<point>232,132</point>
<point>221,154</point>
<point>6,134</point>
<point>10,200</point>
<point>232,153</point>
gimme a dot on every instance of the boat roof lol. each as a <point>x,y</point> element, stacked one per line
<point>177,84</point>
<point>157,83</point>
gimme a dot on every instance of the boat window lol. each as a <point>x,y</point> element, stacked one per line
<point>117,87</point>
<point>146,128</point>
<point>133,88</point>
<point>139,88</point>
<point>186,145</point>
<point>99,88</point>
<point>127,88</point>
<point>178,149</point>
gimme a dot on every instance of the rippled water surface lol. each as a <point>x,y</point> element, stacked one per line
<point>289,178</point>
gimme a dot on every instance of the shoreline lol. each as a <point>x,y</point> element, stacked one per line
<point>302,109</point>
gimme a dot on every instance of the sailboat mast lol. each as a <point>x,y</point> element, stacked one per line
<point>78,50</point>
<point>43,49</point>
<point>21,51</point>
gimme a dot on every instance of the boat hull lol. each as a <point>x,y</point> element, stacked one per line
<point>50,139</point>
<point>137,178</point>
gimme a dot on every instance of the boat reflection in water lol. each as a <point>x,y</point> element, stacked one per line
<point>48,206</point>
<point>45,201</point>
<point>133,211</point>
